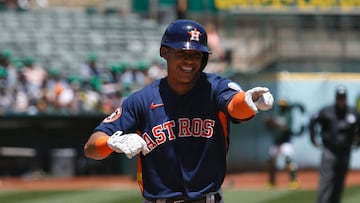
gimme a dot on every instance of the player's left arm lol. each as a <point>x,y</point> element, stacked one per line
<point>245,104</point>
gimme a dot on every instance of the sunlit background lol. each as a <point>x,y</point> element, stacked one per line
<point>50,100</point>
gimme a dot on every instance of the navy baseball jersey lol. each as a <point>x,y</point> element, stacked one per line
<point>187,135</point>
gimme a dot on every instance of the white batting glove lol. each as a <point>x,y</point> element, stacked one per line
<point>131,144</point>
<point>259,98</point>
<point>265,101</point>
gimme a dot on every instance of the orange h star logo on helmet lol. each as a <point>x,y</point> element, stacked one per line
<point>195,34</point>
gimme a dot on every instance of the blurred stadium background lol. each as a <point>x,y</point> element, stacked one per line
<point>51,100</point>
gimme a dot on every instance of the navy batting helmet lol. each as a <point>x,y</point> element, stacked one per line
<point>186,34</point>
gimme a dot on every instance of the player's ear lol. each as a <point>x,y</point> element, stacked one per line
<point>163,52</point>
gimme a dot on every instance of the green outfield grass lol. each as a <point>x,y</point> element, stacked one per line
<point>351,195</point>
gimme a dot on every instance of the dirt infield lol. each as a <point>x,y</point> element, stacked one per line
<point>247,180</point>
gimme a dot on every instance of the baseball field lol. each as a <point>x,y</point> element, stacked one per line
<point>244,187</point>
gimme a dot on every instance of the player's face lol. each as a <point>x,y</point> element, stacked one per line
<point>341,102</point>
<point>183,65</point>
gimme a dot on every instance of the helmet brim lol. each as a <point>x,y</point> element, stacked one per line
<point>188,46</point>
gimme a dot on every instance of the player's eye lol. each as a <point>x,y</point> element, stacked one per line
<point>196,55</point>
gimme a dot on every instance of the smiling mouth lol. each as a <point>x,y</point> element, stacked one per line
<point>187,69</point>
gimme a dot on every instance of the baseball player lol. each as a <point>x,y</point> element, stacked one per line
<point>280,127</point>
<point>178,126</point>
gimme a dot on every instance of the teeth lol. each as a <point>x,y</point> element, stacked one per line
<point>186,68</point>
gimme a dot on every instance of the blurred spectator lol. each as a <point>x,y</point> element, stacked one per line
<point>35,76</point>
<point>127,78</point>
<point>140,74</point>
<point>9,4</point>
<point>42,3</point>
<point>21,99</point>
<point>181,8</point>
<point>90,97</point>
<point>110,79</point>
<point>157,70</point>
<point>76,105</point>
<point>58,92</point>
<point>116,70</point>
<point>216,63</point>
<point>5,61</point>
<point>21,102</point>
<point>23,4</point>
<point>214,43</point>
<point>91,68</point>
<point>5,97</point>
<point>55,84</point>
<point>35,90</point>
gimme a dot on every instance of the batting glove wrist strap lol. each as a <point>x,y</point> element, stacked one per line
<point>102,147</point>
<point>130,144</point>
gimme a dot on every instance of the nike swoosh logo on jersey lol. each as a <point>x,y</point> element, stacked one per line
<point>154,106</point>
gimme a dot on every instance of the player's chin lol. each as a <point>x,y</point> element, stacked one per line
<point>188,78</point>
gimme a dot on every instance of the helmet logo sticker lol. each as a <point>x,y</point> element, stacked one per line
<point>195,34</point>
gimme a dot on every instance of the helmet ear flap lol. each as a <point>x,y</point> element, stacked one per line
<point>204,60</point>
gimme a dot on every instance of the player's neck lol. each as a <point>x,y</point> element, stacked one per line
<point>181,88</point>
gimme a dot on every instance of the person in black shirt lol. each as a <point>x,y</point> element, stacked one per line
<point>338,126</point>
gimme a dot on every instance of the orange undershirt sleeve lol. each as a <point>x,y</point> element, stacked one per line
<point>102,146</point>
<point>239,109</point>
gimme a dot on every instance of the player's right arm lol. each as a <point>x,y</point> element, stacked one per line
<point>96,146</point>
<point>244,105</point>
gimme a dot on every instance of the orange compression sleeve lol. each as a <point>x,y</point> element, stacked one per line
<point>239,109</point>
<point>102,146</point>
